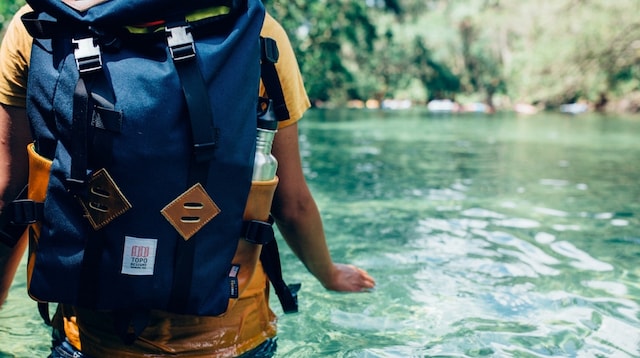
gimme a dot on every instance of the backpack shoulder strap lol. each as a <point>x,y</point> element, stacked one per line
<point>270,54</point>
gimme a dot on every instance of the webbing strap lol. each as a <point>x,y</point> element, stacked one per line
<point>261,233</point>
<point>106,122</point>
<point>203,130</point>
<point>287,294</point>
<point>89,89</point>
<point>81,117</point>
<point>204,136</point>
<point>89,281</point>
<point>43,309</point>
<point>89,64</point>
<point>270,79</point>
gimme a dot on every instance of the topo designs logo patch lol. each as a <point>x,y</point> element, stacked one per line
<point>139,256</point>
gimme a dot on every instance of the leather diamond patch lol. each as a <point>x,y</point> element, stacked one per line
<point>189,212</point>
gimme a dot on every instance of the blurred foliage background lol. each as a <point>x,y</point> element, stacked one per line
<point>498,52</point>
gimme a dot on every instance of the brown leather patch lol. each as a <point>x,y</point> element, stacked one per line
<point>189,212</point>
<point>104,201</point>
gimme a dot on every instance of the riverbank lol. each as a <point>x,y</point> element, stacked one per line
<point>628,104</point>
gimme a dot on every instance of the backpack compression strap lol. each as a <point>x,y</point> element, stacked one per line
<point>205,137</point>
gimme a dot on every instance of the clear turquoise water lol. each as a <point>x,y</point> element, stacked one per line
<point>489,236</point>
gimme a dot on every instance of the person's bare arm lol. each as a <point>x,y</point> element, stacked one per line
<point>14,137</point>
<point>299,220</point>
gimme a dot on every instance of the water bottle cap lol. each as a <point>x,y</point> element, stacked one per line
<point>266,116</point>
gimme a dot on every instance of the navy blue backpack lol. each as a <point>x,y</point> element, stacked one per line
<point>145,111</point>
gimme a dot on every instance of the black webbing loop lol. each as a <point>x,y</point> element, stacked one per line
<point>287,294</point>
<point>270,79</point>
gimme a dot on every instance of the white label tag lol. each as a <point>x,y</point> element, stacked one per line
<point>139,256</point>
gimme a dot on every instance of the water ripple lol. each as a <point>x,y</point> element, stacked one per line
<point>582,260</point>
<point>521,223</point>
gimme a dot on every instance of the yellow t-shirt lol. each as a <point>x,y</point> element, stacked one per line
<point>247,324</point>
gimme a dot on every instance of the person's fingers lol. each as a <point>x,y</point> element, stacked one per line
<point>353,279</point>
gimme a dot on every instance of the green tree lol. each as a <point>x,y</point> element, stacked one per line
<point>7,9</point>
<point>333,41</point>
<point>483,67</point>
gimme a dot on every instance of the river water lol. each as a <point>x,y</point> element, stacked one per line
<point>489,236</point>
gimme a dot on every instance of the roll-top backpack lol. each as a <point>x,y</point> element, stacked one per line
<point>144,115</point>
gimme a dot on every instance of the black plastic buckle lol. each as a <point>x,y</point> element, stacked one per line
<point>25,212</point>
<point>15,218</point>
<point>259,232</point>
<point>180,42</point>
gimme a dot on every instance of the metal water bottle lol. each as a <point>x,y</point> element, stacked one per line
<point>265,164</point>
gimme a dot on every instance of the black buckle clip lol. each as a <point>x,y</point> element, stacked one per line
<point>19,213</point>
<point>259,232</point>
<point>25,212</point>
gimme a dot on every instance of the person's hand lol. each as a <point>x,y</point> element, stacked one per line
<point>349,278</point>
